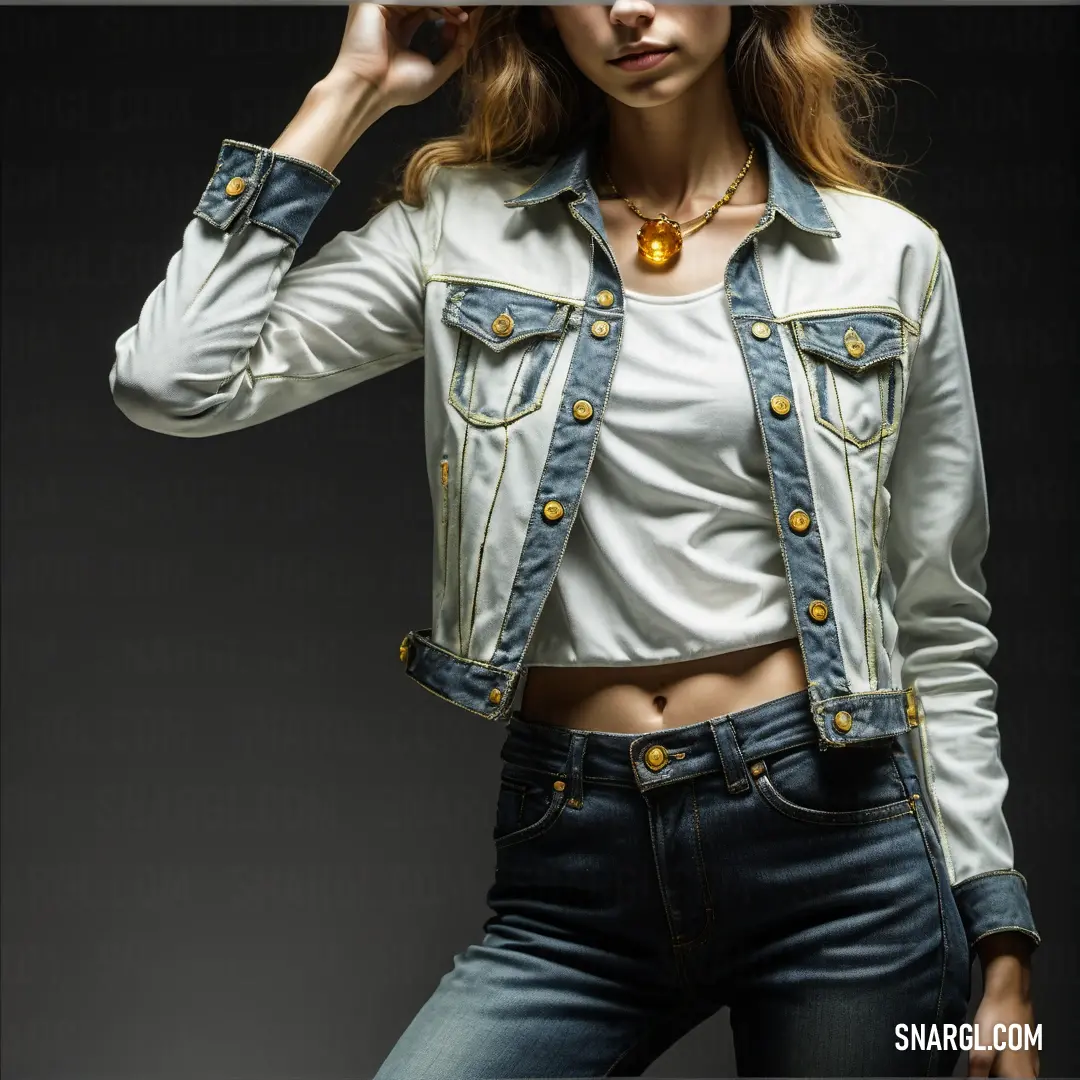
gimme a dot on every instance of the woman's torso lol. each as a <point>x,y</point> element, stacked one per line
<point>648,697</point>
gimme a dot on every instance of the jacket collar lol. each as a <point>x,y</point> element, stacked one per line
<point>791,194</point>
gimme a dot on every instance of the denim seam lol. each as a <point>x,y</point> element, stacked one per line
<point>653,831</point>
<point>595,240</point>
<point>928,293</point>
<point>871,673</point>
<point>771,752</point>
<point>703,935</point>
<point>824,559</point>
<point>944,929</point>
<point>732,782</point>
<point>468,660</point>
<point>464,637</point>
<point>213,269</point>
<point>459,280</point>
<point>318,170</point>
<point>761,273</point>
<point>461,527</point>
<point>811,684</point>
<point>809,357</point>
<point>875,543</point>
<point>452,701</point>
<point>1002,929</point>
<point>294,240</point>
<point>478,419</point>
<point>931,783</point>
<point>536,829</point>
<point>534,340</point>
<point>484,538</point>
<point>990,873</point>
<point>871,815</point>
<point>322,374</point>
<point>554,808</point>
<point>881,309</point>
<point>444,525</point>
<point>894,692</point>
<point>699,854</point>
<point>881,198</point>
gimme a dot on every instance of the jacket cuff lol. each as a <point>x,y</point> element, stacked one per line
<point>995,901</point>
<point>278,192</point>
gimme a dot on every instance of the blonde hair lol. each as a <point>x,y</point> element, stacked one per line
<point>797,71</point>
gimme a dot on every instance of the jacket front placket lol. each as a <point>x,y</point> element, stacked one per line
<point>759,338</point>
<point>841,716</point>
<point>488,687</point>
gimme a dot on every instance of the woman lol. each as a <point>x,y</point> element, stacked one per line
<point>755,761</point>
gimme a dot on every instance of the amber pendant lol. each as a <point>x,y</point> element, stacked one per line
<point>659,240</point>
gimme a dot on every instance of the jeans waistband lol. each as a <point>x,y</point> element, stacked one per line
<point>722,744</point>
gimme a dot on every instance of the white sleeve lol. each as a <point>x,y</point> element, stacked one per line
<point>936,542</point>
<point>233,337</point>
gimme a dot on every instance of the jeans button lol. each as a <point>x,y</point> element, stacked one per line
<point>656,757</point>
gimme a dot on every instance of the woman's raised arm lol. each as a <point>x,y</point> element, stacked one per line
<point>232,336</point>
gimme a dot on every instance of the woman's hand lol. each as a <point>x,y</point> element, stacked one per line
<point>1006,964</point>
<point>375,50</point>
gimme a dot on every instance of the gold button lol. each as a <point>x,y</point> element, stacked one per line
<point>760,330</point>
<point>553,510</point>
<point>853,343</point>
<point>843,721</point>
<point>757,768</point>
<point>600,328</point>
<point>780,404</point>
<point>235,186</point>
<point>495,695</point>
<point>605,298</point>
<point>559,785</point>
<point>503,325</point>
<point>819,611</point>
<point>656,757</point>
<point>403,649</point>
<point>799,520</point>
<point>582,410</point>
<point>911,706</point>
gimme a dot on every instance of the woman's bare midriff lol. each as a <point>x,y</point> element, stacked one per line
<point>649,698</point>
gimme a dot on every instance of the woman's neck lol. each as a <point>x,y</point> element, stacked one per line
<point>680,157</point>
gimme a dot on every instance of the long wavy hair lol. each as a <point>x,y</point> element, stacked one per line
<point>799,72</point>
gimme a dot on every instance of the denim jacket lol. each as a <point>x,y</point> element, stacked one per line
<point>845,308</point>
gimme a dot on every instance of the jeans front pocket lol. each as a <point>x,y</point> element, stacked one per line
<point>852,785</point>
<point>508,342</point>
<point>854,363</point>
<point>530,802</point>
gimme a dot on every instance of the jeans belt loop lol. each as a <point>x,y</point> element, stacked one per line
<point>576,768</point>
<point>736,775</point>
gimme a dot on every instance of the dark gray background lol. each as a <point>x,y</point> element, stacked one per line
<point>238,840</point>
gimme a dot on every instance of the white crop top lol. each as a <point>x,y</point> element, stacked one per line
<point>674,553</point>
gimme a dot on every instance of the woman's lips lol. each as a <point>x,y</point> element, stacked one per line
<point>642,61</point>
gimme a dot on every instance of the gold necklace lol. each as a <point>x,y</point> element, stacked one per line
<point>660,239</point>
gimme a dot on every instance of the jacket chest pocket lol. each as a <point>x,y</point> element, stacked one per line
<point>508,342</point>
<point>854,364</point>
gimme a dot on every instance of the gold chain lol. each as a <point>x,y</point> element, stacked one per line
<point>658,251</point>
<point>702,219</point>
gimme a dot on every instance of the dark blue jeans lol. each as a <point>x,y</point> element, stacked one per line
<point>645,881</point>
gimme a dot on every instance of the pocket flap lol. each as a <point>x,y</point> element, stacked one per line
<point>501,318</point>
<point>855,340</point>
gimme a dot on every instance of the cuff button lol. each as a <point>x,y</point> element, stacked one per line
<point>235,186</point>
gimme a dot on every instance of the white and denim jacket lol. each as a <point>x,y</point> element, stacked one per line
<point>845,308</point>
